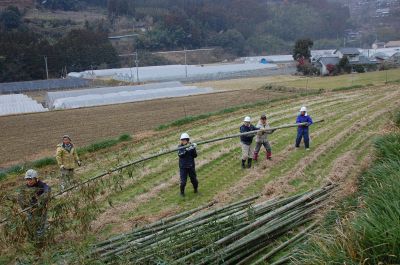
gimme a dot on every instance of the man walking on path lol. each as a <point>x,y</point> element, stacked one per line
<point>302,130</point>
<point>261,138</point>
<point>33,198</point>
<point>67,159</point>
<point>187,165</point>
<point>246,140</point>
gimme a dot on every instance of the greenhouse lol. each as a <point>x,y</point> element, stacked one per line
<point>126,96</point>
<point>52,96</point>
<point>18,103</point>
<point>172,72</point>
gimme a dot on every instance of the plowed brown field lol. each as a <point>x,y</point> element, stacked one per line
<point>32,136</point>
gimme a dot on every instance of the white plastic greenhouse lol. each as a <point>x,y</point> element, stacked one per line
<point>52,96</point>
<point>126,96</point>
<point>18,103</point>
<point>172,72</point>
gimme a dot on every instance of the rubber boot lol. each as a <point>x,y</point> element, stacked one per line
<point>269,155</point>
<point>182,191</point>
<point>255,156</point>
<point>243,164</point>
<point>249,162</point>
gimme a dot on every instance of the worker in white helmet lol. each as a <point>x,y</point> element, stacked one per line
<point>187,153</point>
<point>246,141</point>
<point>302,130</point>
<point>34,197</point>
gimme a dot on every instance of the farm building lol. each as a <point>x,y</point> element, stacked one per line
<point>393,44</point>
<point>323,64</point>
<point>353,54</point>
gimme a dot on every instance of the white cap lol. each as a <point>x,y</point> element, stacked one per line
<point>185,136</point>
<point>303,109</point>
<point>30,174</point>
<point>247,119</point>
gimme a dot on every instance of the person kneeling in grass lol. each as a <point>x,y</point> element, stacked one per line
<point>187,164</point>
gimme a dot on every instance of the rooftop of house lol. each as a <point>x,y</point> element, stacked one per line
<point>393,43</point>
<point>348,51</point>
<point>328,60</point>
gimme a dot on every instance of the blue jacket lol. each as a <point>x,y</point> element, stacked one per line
<point>302,119</point>
<point>247,139</point>
<point>187,156</point>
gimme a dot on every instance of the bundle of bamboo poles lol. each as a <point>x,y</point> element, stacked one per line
<point>239,233</point>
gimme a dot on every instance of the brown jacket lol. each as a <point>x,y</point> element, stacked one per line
<point>65,158</point>
<point>261,137</point>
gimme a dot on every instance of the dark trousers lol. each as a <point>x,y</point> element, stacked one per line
<point>303,134</point>
<point>191,172</point>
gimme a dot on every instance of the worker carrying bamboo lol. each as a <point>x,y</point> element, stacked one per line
<point>302,130</point>
<point>67,159</point>
<point>34,196</point>
<point>246,140</point>
<point>261,138</point>
<point>187,166</point>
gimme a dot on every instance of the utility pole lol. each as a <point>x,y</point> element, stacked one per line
<point>130,68</point>
<point>137,66</point>
<point>47,69</point>
<point>186,70</point>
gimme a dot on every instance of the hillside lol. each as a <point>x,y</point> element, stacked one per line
<point>22,4</point>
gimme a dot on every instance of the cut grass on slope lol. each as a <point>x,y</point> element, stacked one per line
<point>169,196</point>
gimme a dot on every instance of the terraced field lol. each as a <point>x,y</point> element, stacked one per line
<point>340,149</point>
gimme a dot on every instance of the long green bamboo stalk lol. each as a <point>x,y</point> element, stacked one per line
<point>285,244</point>
<point>268,217</point>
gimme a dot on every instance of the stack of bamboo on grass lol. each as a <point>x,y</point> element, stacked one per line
<point>239,233</point>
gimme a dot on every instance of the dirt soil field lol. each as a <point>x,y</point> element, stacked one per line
<point>32,136</point>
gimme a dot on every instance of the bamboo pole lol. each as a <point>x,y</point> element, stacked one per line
<point>267,217</point>
<point>284,245</point>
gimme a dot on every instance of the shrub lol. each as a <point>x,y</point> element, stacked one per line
<point>359,68</point>
<point>124,138</point>
<point>308,69</point>
<point>44,162</point>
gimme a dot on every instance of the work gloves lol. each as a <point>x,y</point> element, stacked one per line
<point>193,146</point>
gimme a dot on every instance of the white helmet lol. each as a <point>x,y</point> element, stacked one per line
<point>30,174</point>
<point>247,119</point>
<point>185,136</point>
<point>303,109</point>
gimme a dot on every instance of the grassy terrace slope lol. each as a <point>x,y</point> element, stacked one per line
<point>340,149</point>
